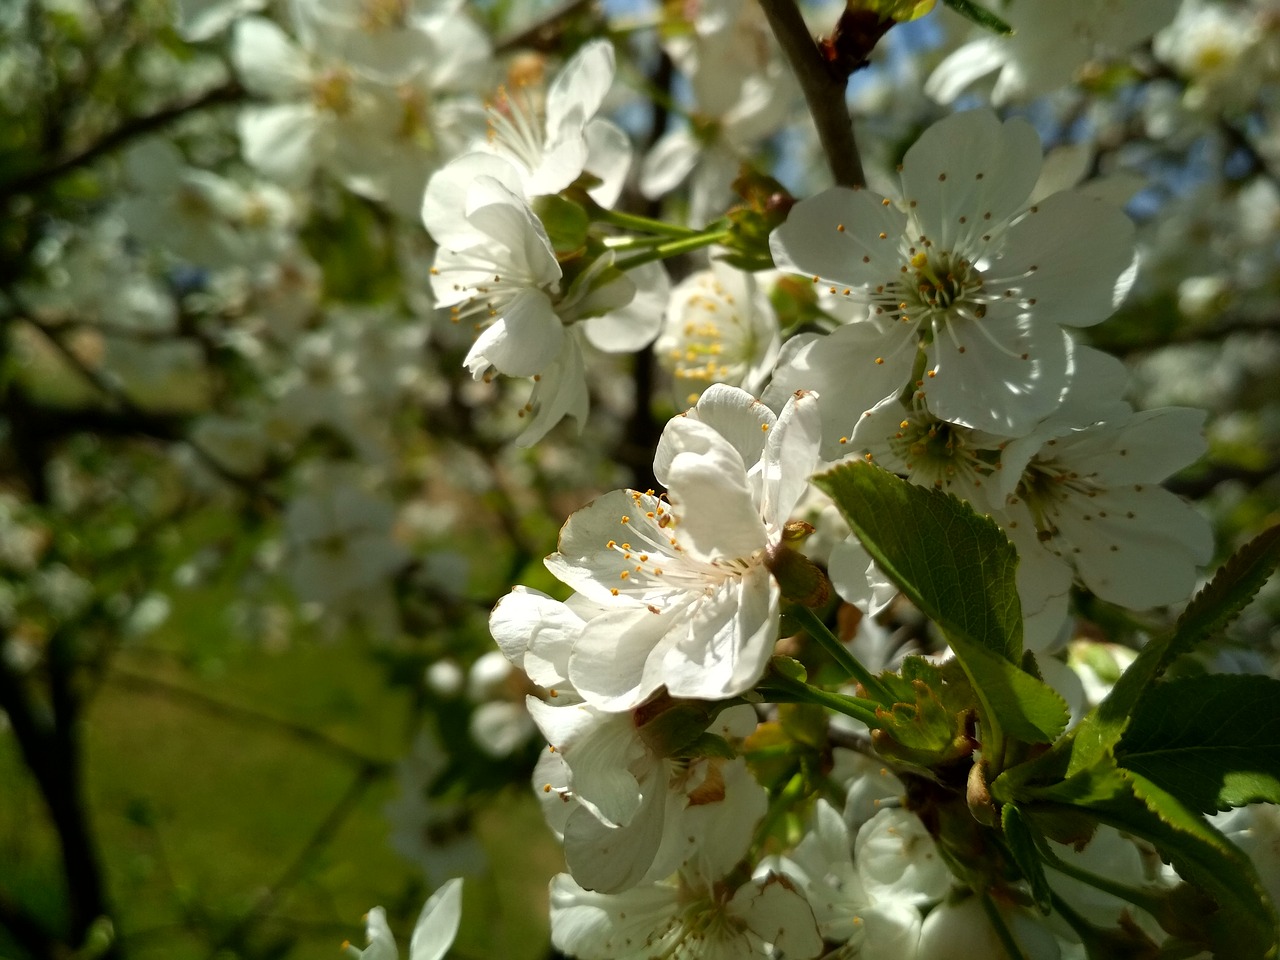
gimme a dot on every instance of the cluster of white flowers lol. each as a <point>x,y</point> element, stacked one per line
<point>936,322</point>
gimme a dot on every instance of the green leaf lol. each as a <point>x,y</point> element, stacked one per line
<point>1209,612</point>
<point>1245,925</point>
<point>1026,708</point>
<point>956,566</point>
<point>1022,847</point>
<point>1213,742</point>
<point>1230,591</point>
<point>979,15</point>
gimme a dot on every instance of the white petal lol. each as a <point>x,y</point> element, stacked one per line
<point>1075,253</point>
<point>536,633</point>
<point>267,60</point>
<point>444,205</point>
<point>898,860</point>
<point>599,749</point>
<point>717,516</point>
<point>841,367</point>
<point>523,341</point>
<point>581,86</point>
<point>962,67</point>
<point>857,579</point>
<point>632,327</point>
<point>969,165</point>
<point>382,945</point>
<point>729,642</point>
<point>282,141</point>
<point>732,412</point>
<point>610,858</point>
<point>596,926</point>
<point>790,457</point>
<point>836,236</point>
<point>668,163</point>
<point>562,392</point>
<point>609,156</point>
<point>1136,546</point>
<point>1001,379</point>
<point>438,923</point>
<point>613,664</point>
<point>778,915</point>
<point>1147,448</point>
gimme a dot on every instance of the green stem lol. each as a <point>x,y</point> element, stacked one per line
<point>1126,893</point>
<point>672,249</point>
<point>1002,929</point>
<point>778,688</point>
<point>1095,946</point>
<point>778,806</point>
<point>628,244</point>
<point>633,221</point>
<point>829,642</point>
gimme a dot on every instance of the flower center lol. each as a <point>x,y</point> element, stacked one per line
<point>940,453</point>
<point>516,124</point>
<point>1043,487</point>
<point>331,91</point>
<point>378,15</point>
<point>943,282</point>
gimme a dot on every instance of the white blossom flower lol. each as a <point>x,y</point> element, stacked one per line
<point>391,40</point>
<point>742,92</point>
<point>199,216</point>
<point>693,606</point>
<point>498,270</point>
<point>961,930</point>
<point>341,550</point>
<point>1049,44</point>
<point>693,918</point>
<point>854,905</point>
<point>1088,495</point>
<point>1214,47</point>
<point>638,815</point>
<point>963,268</point>
<point>720,328</point>
<point>552,143</point>
<point>432,935</point>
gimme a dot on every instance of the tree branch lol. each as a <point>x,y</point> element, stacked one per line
<point>824,91</point>
<point>47,739</point>
<point>34,180</point>
<point>237,714</point>
<point>235,937</point>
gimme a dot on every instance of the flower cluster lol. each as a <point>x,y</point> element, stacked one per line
<point>337,325</point>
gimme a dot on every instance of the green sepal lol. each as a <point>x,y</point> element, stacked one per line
<point>764,207</point>
<point>979,15</point>
<point>791,668</point>
<point>708,745</point>
<point>566,223</point>
<point>921,730</point>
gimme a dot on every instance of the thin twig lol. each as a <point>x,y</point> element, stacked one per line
<point>543,34</point>
<point>237,714</point>
<point>824,91</point>
<point>121,135</point>
<point>346,805</point>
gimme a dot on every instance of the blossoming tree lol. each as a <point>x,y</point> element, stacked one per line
<point>899,376</point>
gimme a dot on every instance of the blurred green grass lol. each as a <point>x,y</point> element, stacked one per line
<point>197,812</point>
